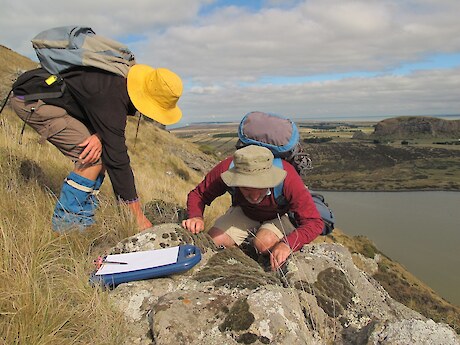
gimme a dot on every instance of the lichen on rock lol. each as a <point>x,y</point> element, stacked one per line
<point>233,269</point>
<point>239,318</point>
<point>333,291</point>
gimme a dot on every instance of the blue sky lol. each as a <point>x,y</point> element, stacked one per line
<point>431,62</point>
<point>437,61</point>
<point>318,59</point>
<point>215,6</point>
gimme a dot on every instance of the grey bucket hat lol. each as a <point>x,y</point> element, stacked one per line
<point>253,167</point>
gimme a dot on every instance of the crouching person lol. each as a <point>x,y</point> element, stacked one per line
<point>251,177</point>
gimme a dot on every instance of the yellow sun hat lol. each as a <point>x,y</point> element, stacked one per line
<point>155,92</point>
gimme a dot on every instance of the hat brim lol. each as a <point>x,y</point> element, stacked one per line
<point>267,179</point>
<point>141,99</point>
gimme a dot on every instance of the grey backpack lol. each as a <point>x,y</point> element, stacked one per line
<point>277,133</point>
<point>62,48</point>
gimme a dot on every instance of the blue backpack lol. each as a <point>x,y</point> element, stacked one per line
<point>322,207</point>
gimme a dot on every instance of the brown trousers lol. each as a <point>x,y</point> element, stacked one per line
<point>53,124</point>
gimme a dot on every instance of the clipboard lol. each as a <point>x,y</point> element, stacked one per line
<point>123,268</point>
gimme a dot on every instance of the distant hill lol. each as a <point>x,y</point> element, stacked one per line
<point>415,127</point>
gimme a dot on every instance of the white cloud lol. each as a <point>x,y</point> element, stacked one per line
<point>351,18</point>
<point>318,37</point>
<point>422,93</point>
<point>217,52</point>
<point>21,20</point>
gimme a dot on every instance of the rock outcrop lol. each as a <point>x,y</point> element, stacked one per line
<point>360,135</point>
<point>231,297</point>
<point>413,127</point>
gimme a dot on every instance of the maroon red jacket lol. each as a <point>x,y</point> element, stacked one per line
<point>299,201</point>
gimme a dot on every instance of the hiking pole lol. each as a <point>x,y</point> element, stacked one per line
<point>24,125</point>
<point>6,100</point>
<point>137,129</point>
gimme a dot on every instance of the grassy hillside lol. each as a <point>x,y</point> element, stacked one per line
<point>383,167</point>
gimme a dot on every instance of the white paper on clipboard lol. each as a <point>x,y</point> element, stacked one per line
<point>139,260</point>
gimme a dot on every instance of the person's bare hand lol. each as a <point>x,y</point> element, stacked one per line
<point>194,225</point>
<point>279,255</point>
<point>142,221</point>
<point>92,151</point>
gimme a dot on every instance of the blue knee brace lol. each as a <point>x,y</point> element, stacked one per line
<point>74,208</point>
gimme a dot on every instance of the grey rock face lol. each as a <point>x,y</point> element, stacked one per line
<point>320,297</point>
<point>406,127</point>
<point>412,331</point>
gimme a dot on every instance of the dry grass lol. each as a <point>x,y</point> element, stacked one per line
<point>45,297</point>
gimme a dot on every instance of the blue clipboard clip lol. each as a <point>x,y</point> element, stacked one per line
<point>188,256</point>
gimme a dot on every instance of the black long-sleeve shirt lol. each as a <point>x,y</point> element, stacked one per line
<point>103,104</point>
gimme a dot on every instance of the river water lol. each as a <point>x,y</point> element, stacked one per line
<point>420,230</point>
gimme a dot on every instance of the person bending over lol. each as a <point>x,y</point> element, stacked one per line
<point>87,124</point>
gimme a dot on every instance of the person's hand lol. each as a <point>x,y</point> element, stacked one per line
<point>194,225</point>
<point>279,255</point>
<point>92,151</point>
<point>142,221</point>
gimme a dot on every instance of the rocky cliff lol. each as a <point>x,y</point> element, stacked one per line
<point>230,297</point>
<point>413,127</point>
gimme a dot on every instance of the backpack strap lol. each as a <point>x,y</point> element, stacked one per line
<point>278,190</point>
<point>232,190</point>
<point>45,95</point>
